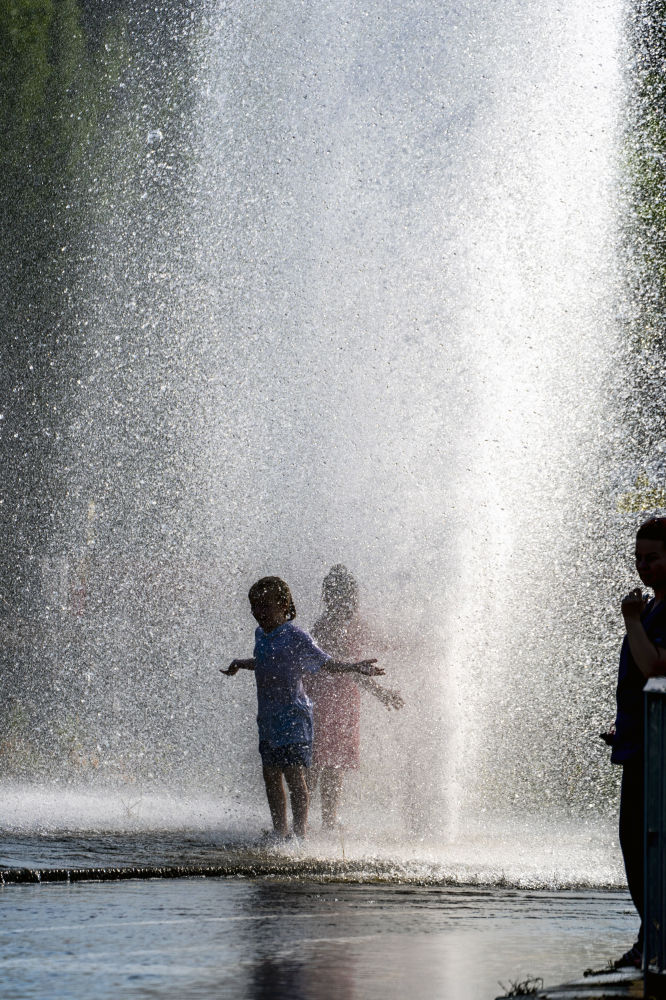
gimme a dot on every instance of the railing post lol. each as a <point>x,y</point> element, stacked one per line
<point>654,953</point>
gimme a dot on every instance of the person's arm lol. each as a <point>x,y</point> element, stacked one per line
<point>650,659</point>
<point>389,697</point>
<point>365,667</point>
<point>237,665</point>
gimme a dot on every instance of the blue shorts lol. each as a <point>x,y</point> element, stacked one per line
<point>294,754</point>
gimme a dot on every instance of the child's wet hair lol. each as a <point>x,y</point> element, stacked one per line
<point>274,587</point>
<point>340,588</point>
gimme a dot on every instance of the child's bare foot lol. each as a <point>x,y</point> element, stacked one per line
<point>271,838</point>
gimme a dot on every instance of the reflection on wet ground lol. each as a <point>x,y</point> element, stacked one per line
<point>297,940</point>
<point>336,919</point>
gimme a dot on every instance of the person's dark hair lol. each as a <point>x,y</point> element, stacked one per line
<point>340,589</point>
<point>654,529</point>
<point>274,586</point>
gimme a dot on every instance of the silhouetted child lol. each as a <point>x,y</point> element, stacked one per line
<point>336,700</point>
<point>283,655</point>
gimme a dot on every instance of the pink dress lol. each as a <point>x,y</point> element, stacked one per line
<point>336,699</point>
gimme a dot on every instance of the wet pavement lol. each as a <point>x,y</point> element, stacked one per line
<point>336,918</point>
<point>297,939</point>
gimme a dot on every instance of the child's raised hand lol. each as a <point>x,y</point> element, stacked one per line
<point>232,669</point>
<point>392,699</point>
<point>237,665</point>
<point>368,668</point>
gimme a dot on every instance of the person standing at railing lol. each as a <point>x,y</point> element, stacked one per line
<point>643,655</point>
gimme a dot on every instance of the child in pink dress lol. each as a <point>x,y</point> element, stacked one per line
<point>336,699</point>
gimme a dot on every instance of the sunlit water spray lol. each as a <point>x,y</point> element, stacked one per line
<point>367,317</point>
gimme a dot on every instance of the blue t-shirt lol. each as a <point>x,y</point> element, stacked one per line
<point>282,657</point>
<point>628,743</point>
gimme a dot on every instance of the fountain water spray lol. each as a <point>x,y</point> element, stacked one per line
<point>359,307</point>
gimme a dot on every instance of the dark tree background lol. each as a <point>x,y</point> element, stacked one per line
<point>73,75</point>
<point>81,83</point>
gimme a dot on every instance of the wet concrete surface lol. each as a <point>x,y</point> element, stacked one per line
<point>297,938</point>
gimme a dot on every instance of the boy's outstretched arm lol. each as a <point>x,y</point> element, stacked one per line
<point>389,697</point>
<point>365,667</point>
<point>237,665</point>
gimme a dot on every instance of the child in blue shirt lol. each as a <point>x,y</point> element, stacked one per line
<point>283,654</point>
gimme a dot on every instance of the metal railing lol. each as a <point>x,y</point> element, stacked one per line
<point>655,839</point>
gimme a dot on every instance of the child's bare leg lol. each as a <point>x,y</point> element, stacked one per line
<point>331,788</point>
<point>312,777</point>
<point>277,802</point>
<point>298,789</point>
